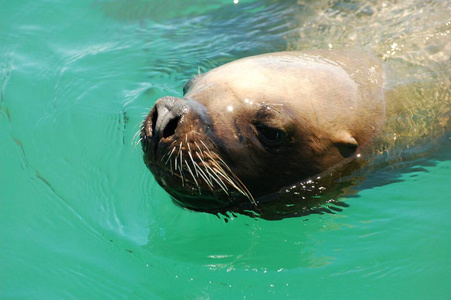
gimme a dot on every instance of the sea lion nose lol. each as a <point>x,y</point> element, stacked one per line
<point>170,117</point>
<point>166,116</point>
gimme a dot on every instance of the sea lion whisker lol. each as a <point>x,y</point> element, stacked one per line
<point>224,163</point>
<point>221,184</point>
<point>141,125</point>
<point>181,164</point>
<point>192,175</point>
<point>203,163</point>
<point>210,174</point>
<point>177,156</point>
<point>238,189</point>
<point>136,135</point>
<point>196,167</point>
<point>207,181</point>
<point>201,159</point>
<point>225,176</point>
<point>163,157</point>
<point>204,176</point>
<point>200,150</point>
<point>216,164</point>
<point>209,153</point>
<point>218,167</point>
<point>170,155</point>
<point>215,172</point>
<point>192,160</point>
<point>248,193</point>
<point>237,182</point>
<point>181,176</point>
<point>205,145</point>
<point>207,170</point>
<point>234,184</point>
<point>219,180</point>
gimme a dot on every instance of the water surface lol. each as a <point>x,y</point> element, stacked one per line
<point>81,216</point>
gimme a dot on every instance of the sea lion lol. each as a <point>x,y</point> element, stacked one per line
<point>250,128</point>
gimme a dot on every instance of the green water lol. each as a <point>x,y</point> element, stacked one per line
<point>80,215</point>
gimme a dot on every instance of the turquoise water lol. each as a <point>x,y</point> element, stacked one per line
<point>80,215</point>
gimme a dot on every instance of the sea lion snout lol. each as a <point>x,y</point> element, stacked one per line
<point>177,139</point>
<point>160,123</point>
<point>171,118</point>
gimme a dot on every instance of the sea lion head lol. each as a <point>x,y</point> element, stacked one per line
<point>251,127</point>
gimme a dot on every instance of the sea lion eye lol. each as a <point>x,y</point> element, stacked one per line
<point>270,136</point>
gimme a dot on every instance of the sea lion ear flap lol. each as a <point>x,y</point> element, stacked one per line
<point>346,144</point>
<point>189,83</point>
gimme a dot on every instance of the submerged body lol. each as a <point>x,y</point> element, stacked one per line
<point>245,131</point>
